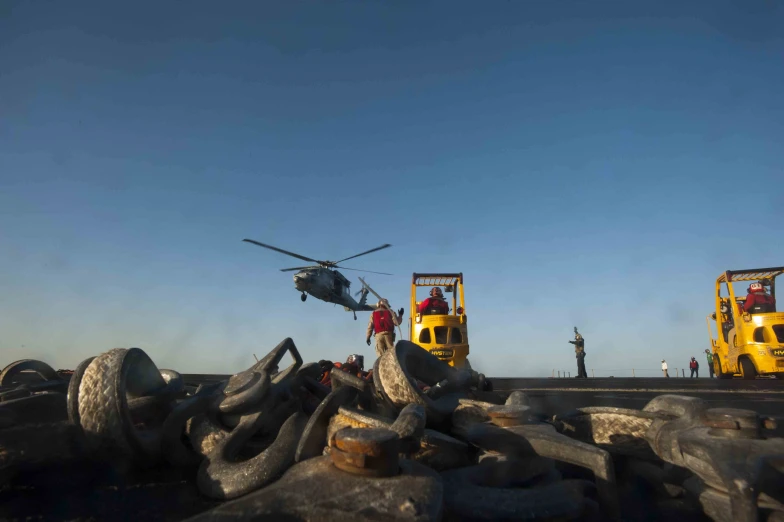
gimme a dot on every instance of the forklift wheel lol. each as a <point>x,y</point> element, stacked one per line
<point>747,369</point>
<point>720,374</point>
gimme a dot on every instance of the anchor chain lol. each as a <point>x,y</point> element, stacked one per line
<point>421,440</point>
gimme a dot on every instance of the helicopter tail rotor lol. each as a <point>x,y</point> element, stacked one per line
<point>363,300</point>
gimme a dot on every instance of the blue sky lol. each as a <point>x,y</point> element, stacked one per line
<point>595,164</point>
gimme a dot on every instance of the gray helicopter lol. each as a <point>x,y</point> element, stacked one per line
<point>323,282</point>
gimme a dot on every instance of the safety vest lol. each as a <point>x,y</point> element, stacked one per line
<point>382,321</point>
<point>763,303</point>
<point>434,305</point>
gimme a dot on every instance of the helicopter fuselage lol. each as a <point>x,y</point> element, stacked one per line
<point>322,283</point>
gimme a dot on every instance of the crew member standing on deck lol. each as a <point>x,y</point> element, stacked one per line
<point>579,353</point>
<point>694,366</point>
<point>382,322</point>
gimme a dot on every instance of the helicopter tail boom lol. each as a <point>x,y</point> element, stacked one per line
<point>363,299</point>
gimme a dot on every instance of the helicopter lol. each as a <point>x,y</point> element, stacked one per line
<point>323,282</point>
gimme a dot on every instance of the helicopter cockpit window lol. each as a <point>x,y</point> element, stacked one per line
<point>424,336</point>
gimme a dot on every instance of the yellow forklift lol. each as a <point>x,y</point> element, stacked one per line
<point>445,335</point>
<point>747,344</point>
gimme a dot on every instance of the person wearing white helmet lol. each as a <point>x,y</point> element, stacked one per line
<point>757,301</point>
<point>382,322</point>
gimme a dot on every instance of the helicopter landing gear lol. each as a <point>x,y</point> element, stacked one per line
<point>303,296</point>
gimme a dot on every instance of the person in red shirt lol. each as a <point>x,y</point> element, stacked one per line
<point>435,304</point>
<point>382,322</point>
<point>757,301</point>
<point>694,366</point>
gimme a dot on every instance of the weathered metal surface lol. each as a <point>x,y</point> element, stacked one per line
<point>542,440</point>
<point>225,475</point>
<point>37,408</point>
<point>508,415</point>
<point>370,452</point>
<point>9,374</point>
<point>398,371</point>
<point>314,438</point>
<point>420,441</point>
<point>731,458</point>
<point>511,491</point>
<point>317,491</point>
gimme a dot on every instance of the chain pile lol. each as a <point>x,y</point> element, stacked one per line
<point>276,444</point>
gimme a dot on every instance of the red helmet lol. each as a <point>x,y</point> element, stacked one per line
<point>436,292</point>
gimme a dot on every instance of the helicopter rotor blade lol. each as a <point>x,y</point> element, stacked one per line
<point>358,270</point>
<point>363,253</point>
<point>292,254</point>
<point>297,268</point>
